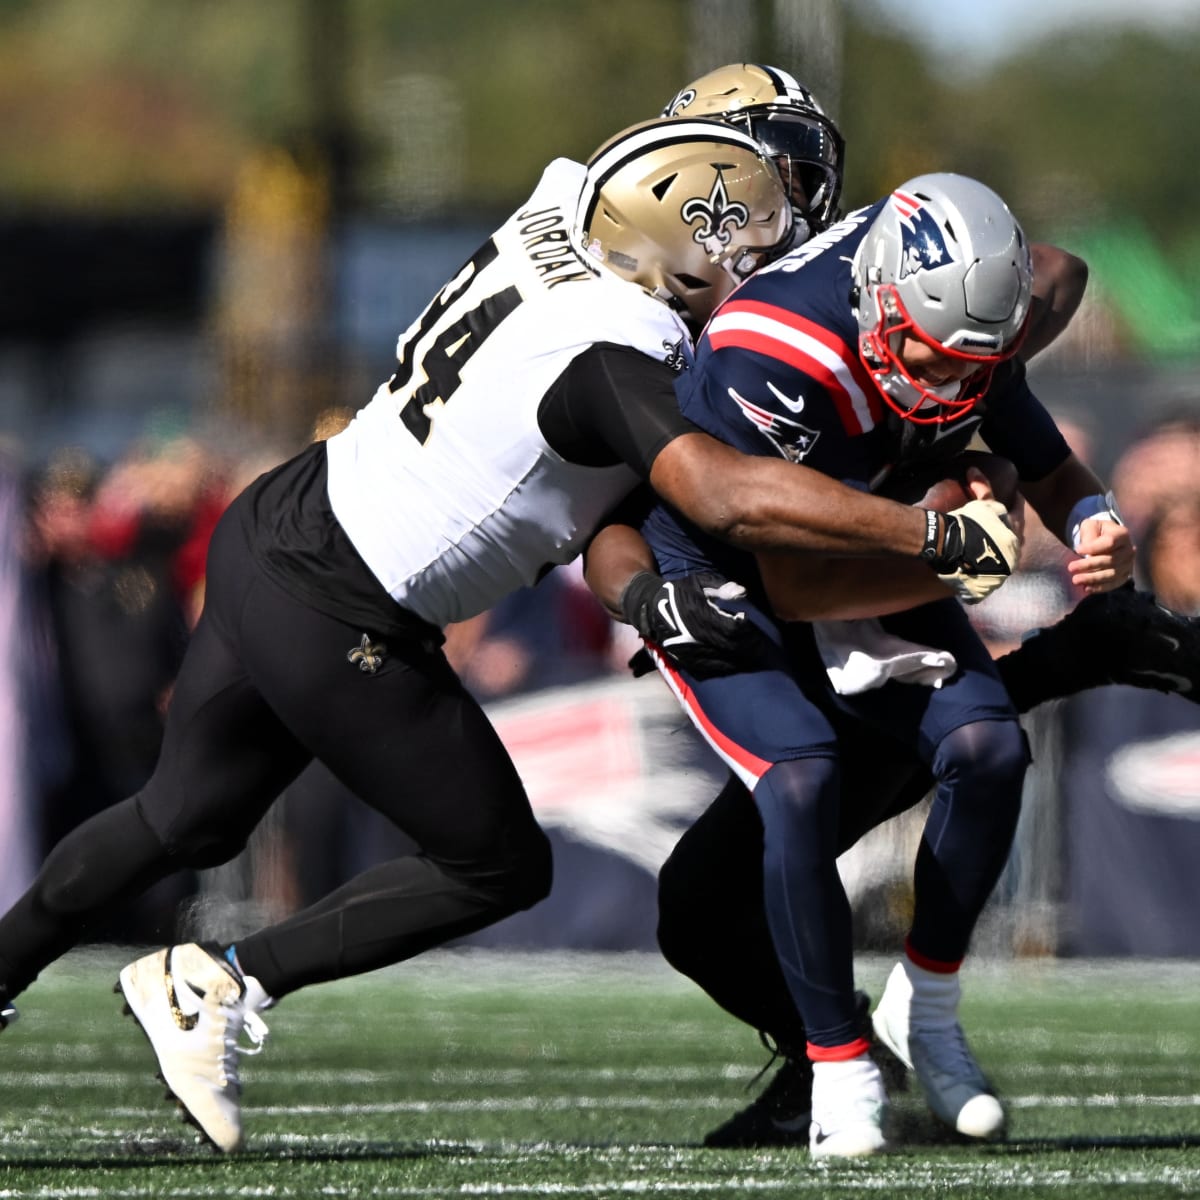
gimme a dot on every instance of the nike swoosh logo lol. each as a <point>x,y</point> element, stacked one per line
<point>1180,684</point>
<point>664,611</point>
<point>185,1021</point>
<point>795,406</point>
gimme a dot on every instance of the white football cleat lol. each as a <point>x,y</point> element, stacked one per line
<point>848,1107</point>
<point>917,1019</point>
<point>8,1014</point>
<point>193,1005</point>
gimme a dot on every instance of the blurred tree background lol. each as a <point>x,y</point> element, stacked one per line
<point>145,105</point>
<point>295,177</point>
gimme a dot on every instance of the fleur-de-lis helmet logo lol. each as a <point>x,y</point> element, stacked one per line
<point>717,214</point>
<point>681,100</point>
<point>367,655</point>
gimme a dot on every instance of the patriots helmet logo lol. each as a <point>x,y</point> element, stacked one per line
<point>922,243</point>
<point>716,214</point>
<point>791,440</point>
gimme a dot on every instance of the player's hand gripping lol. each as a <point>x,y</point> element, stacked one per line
<point>973,549</point>
<point>689,622</point>
<point>1106,554</point>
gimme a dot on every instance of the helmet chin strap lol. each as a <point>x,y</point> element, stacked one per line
<point>802,230</point>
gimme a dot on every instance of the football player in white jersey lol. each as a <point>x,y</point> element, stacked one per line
<point>530,396</point>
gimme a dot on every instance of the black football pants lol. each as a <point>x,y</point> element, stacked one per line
<point>265,687</point>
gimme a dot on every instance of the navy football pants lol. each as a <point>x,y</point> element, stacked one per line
<point>823,769</point>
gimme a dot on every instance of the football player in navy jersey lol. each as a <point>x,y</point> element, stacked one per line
<point>712,924</point>
<point>533,393</point>
<point>883,343</point>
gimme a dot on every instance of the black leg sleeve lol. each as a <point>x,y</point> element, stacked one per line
<point>712,921</point>
<point>393,912</point>
<point>108,859</point>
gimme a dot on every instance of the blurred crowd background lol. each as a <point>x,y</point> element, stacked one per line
<point>216,217</point>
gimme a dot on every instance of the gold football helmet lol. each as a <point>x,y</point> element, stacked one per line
<point>686,209</point>
<point>783,116</point>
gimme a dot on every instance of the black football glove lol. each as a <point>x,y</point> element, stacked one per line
<point>685,620</point>
<point>973,549</point>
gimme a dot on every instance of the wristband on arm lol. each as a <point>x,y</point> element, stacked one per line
<point>1102,505</point>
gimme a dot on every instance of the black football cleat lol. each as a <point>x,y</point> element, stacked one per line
<point>782,1113</point>
<point>779,1116</point>
<point>8,1014</point>
<point>1122,637</point>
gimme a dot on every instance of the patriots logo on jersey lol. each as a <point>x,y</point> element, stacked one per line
<point>715,212</point>
<point>792,440</point>
<point>922,243</point>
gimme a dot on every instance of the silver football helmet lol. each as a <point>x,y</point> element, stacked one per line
<point>945,263</point>
<point>686,209</point>
<point>783,116</point>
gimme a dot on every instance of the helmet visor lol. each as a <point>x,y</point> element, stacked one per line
<point>809,152</point>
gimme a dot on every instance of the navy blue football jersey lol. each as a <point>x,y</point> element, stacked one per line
<point>777,372</point>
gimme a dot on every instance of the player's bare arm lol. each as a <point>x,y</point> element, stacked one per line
<point>1059,281</point>
<point>761,503</point>
<point>768,504</point>
<point>842,589</point>
<point>614,556</point>
<point>1104,545</point>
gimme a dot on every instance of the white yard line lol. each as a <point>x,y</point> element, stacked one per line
<point>48,1114</point>
<point>816,1179</point>
<point>568,1103</point>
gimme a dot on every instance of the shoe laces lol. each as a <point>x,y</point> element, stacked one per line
<point>776,1054</point>
<point>256,1030</point>
<point>790,1088</point>
<point>240,1019</point>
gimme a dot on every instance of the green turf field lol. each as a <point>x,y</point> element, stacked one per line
<point>465,1075</point>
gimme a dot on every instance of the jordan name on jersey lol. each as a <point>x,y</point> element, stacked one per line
<point>444,482</point>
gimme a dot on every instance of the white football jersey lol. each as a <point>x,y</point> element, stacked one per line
<point>444,482</point>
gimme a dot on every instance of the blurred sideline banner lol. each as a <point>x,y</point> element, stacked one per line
<point>1131,783</point>
<point>1105,862</point>
<point>615,774</point>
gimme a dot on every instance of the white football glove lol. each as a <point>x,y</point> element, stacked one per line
<point>973,549</point>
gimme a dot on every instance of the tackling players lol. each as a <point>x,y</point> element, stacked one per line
<point>910,309</point>
<point>535,390</point>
